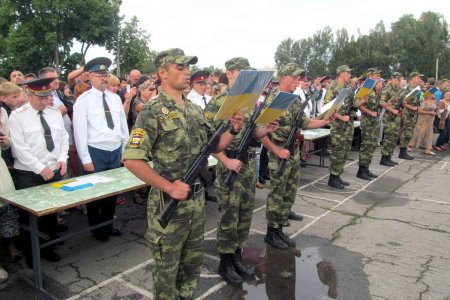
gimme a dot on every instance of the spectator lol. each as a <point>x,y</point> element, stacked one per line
<point>199,84</point>
<point>133,81</point>
<point>113,84</point>
<point>79,89</point>
<point>30,76</point>
<point>77,76</point>
<point>146,91</point>
<point>443,107</point>
<point>16,77</point>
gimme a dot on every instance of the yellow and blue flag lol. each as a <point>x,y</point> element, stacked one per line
<point>416,91</point>
<point>430,92</point>
<point>276,108</point>
<point>365,89</point>
<point>244,93</point>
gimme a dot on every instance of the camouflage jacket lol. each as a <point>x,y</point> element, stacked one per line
<point>169,133</point>
<point>332,93</point>
<point>390,92</point>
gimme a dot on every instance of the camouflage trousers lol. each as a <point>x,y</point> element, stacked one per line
<point>177,249</point>
<point>369,138</point>
<point>408,124</point>
<point>341,142</point>
<point>235,207</point>
<point>283,189</point>
<point>391,133</point>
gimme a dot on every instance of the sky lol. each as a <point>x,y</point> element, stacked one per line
<point>216,31</point>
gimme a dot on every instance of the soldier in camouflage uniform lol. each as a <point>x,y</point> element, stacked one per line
<point>236,204</point>
<point>391,101</point>
<point>172,131</point>
<point>370,127</point>
<point>410,108</point>
<point>341,128</point>
<point>284,186</point>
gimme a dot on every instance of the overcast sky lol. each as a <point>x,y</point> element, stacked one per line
<point>218,30</point>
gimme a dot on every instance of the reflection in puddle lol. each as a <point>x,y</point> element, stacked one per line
<point>289,275</point>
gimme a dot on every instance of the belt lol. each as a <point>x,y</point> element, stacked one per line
<point>197,186</point>
<point>247,156</point>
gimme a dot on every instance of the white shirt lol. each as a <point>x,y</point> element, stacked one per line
<point>198,99</point>
<point>67,123</point>
<point>90,127</point>
<point>27,139</point>
<point>298,91</point>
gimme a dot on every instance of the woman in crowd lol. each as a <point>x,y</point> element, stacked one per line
<point>443,107</point>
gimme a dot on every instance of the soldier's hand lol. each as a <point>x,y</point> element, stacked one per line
<point>283,154</point>
<point>233,165</point>
<point>89,167</point>
<point>47,174</point>
<point>395,111</point>
<point>345,119</point>
<point>179,190</point>
<point>272,126</point>
<point>237,121</point>
<point>374,114</point>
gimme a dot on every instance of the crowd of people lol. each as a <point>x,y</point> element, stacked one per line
<point>50,129</point>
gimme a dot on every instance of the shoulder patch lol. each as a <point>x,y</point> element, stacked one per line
<point>209,116</point>
<point>136,137</point>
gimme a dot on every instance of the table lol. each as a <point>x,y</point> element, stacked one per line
<point>44,199</point>
<point>318,134</point>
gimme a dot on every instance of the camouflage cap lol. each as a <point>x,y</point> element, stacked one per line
<point>238,63</point>
<point>397,75</point>
<point>174,56</point>
<point>372,71</point>
<point>290,69</point>
<point>414,74</point>
<point>343,68</point>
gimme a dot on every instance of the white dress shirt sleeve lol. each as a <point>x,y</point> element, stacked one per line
<point>64,149</point>
<point>20,149</point>
<point>81,131</point>
<point>124,132</point>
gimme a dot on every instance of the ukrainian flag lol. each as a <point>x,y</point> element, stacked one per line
<point>244,93</point>
<point>430,92</point>
<point>365,88</point>
<point>276,109</point>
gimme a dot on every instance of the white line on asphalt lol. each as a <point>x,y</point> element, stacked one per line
<point>212,290</point>
<point>109,280</point>
<point>259,208</point>
<point>257,231</point>
<point>308,216</point>
<point>210,276</point>
<point>211,256</point>
<point>135,288</point>
<point>320,198</point>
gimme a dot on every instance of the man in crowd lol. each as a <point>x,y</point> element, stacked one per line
<point>199,84</point>
<point>16,77</point>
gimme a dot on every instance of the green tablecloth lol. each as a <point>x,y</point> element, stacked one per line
<point>314,134</point>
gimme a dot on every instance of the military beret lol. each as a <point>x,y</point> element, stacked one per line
<point>397,75</point>
<point>238,63</point>
<point>414,74</point>
<point>372,71</point>
<point>200,76</point>
<point>40,87</point>
<point>290,69</point>
<point>98,65</point>
<point>325,78</point>
<point>343,68</point>
<point>174,56</point>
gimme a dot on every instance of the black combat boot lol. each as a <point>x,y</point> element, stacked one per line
<point>227,271</point>
<point>394,162</point>
<point>287,240</point>
<point>403,154</point>
<point>386,162</point>
<point>342,181</point>
<point>274,240</point>
<point>295,216</point>
<point>334,182</point>
<point>239,266</point>
<point>371,175</point>
<point>362,173</point>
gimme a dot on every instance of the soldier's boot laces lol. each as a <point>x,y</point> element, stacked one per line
<point>342,181</point>
<point>371,175</point>
<point>394,162</point>
<point>239,266</point>
<point>362,173</point>
<point>386,162</point>
<point>287,240</point>
<point>274,240</point>
<point>334,182</point>
<point>403,154</point>
<point>227,271</point>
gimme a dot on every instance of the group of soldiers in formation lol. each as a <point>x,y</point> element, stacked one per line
<point>171,131</point>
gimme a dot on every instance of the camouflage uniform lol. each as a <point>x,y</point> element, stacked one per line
<point>391,122</point>
<point>236,204</point>
<point>172,135</point>
<point>284,186</point>
<point>409,120</point>
<point>341,141</point>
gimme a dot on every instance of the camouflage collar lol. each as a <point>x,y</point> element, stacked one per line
<point>167,101</point>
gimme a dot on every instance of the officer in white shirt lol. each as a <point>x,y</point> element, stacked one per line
<point>199,84</point>
<point>40,146</point>
<point>101,132</point>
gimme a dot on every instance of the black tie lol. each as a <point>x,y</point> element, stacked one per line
<point>108,116</point>
<point>47,133</point>
<point>204,100</point>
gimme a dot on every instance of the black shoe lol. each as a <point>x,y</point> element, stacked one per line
<point>101,236</point>
<point>342,181</point>
<point>334,182</point>
<point>386,162</point>
<point>303,163</point>
<point>227,271</point>
<point>287,240</point>
<point>362,173</point>
<point>394,162</point>
<point>114,232</point>
<point>266,177</point>
<point>403,154</point>
<point>261,180</point>
<point>239,266</point>
<point>274,240</point>
<point>50,256</point>
<point>62,228</point>
<point>294,216</point>
<point>371,175</point>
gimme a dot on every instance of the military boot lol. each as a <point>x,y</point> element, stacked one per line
<point>274,240</point>
<point>362,173</point>
<point>394,162</point>
<point>239,266</point>
<point>386,162</point>
<point>371,175</point>
<point>334,182</point>
<point>227,271</point>
<point>403,154</point>
<point>342,181</point>
<point>287,240</point>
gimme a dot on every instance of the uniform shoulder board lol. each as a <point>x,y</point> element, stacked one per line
<point>22,108</point>
<point>51,107</point>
